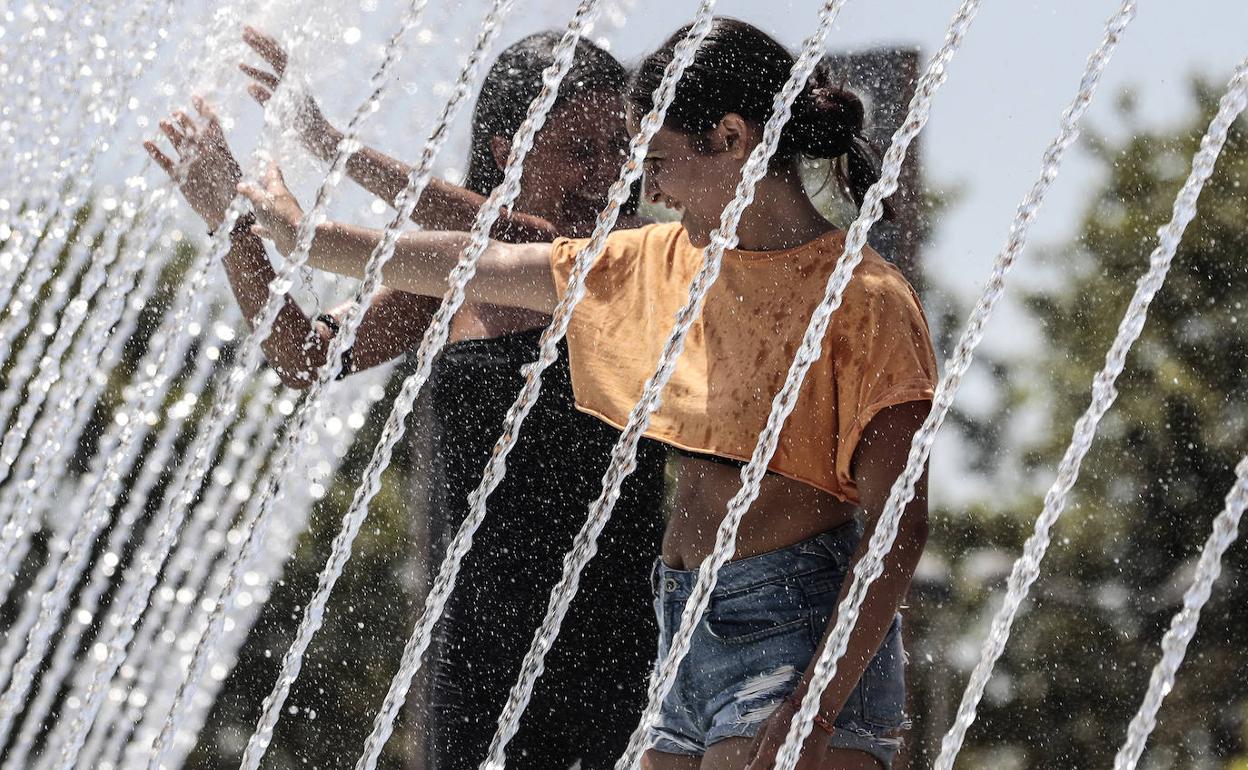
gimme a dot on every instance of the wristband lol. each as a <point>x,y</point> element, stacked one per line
<point>242,224</point>
<point>820,720</point>
<point>334,327</point>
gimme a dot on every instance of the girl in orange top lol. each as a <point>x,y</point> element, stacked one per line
<point>844,445</point>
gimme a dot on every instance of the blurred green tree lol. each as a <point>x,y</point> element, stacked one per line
<point>1080,656</point>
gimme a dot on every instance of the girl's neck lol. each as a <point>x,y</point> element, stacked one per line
<point>782,215</point>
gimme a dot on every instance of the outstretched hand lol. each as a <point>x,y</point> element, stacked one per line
<point>313,129</point>
<point>277,212</point>
<point>205,170</point>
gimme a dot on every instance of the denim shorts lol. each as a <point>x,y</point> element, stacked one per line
<point>766,617</point>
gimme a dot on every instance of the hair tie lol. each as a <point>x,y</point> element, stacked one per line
<point>822,98</point>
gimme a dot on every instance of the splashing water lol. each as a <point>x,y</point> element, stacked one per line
<point>266,565</point>
<point>185,484</point>
<point>54,601</point>
<point>64,381</point>
<point>52,432</point>
<point>379,85</point>
<point>195,546</point>
<point>406,203</point>
<point>93,515</point>
<point>1027,568</point>
<point>47,121</point>
<point>433,341</point>
<point>161,678</point>
<point>59,196</point>
<point>67,642</point>
<point>1183,626</point>
<point>436,599</point>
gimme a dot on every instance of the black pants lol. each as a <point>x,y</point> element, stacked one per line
<point>593,689</point>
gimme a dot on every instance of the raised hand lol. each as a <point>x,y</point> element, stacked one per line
<point>205,170</point>
<point>277,212</point>
<point>314,130</point>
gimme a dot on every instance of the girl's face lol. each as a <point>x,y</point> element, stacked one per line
<point>696,175</point>
<point>575,158</point>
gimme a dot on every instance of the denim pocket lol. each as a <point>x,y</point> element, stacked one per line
<point>763,611</point>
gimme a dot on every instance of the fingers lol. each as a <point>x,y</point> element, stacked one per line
<point>204,109</point>
<point>185,122</point>
<point>263,77</point>
<point>161,159</point>
<point>260,200</point>
<point>273,178</point>
<point>273,187</point>
<point>174,133</point>
<point>267,47</point>
<point>259,93</point>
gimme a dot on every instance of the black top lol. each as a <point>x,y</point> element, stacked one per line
<point>593,689</point>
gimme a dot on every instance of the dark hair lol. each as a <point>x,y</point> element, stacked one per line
<point>739,69</point>
<point>514,80</point>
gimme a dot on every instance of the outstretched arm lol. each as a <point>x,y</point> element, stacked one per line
<point>514,275</point>
<point>442,206</point>
<point>208,175</point>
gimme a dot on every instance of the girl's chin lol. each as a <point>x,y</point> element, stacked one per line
<point>699,235</point>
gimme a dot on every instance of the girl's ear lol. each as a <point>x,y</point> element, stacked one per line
<point>732,135</point>
<point>500,148</point>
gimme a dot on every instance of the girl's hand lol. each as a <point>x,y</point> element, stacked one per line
<point>314,130</point>
<point>277,212</point>
<point>771,737</point>
<point>205,170</point>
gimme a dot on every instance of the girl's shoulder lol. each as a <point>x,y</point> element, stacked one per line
<point>650,237</point>
<point>878,282</point>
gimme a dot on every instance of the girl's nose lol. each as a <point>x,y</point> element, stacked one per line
<point>650,190</point>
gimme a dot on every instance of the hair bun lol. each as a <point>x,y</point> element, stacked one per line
<point>826,119</point>
<point>840,105</point>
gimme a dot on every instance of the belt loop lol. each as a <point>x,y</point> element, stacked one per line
<point>654,577</point>
<point>840,543</point>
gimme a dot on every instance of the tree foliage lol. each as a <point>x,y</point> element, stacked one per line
<point>1079,660</point>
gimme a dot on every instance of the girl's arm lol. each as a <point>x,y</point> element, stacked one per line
<point>879,460</point>
<point>298,345</point>
<point>514,275</point>
<point>442,206</point>
<point>208,175</point>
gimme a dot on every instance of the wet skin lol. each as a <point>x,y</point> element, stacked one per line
<point>683,174</point>
<point>696,176</point>
<point>574,159</point>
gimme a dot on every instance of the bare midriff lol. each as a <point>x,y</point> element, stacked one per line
<point>786,512</point>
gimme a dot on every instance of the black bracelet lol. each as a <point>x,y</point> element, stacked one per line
<point>334,328</point>
<point>244,223</point>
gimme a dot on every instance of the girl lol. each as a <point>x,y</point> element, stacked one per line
<point>597,677</point>
<point>845,443</point>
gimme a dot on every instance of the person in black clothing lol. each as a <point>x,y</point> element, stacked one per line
<point>593,688</point>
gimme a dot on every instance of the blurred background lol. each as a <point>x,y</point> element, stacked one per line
<point>1123,554</point>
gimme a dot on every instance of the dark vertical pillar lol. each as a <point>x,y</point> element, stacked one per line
<point>886,78</point>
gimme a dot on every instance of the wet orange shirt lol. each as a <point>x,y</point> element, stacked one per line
<point>877,352</point>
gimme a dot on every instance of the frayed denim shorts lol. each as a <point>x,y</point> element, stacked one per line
<point>758,636</point>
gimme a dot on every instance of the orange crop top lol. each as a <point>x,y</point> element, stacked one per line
<point>877,352</point>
